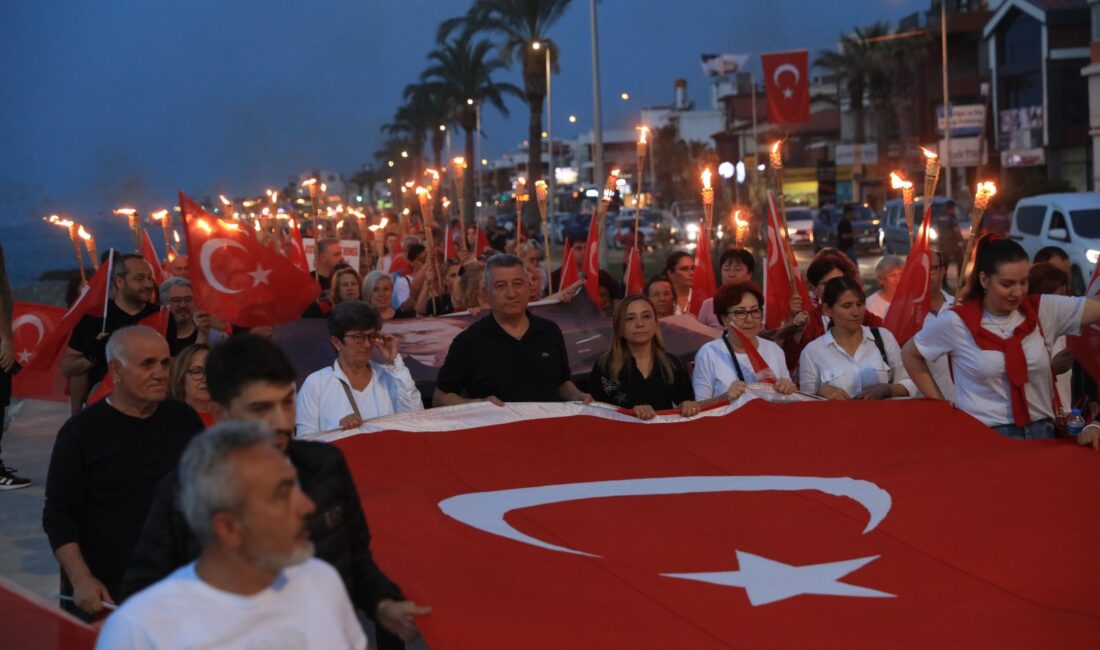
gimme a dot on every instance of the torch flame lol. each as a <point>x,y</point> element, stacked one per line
<point>176,236</point>
<point>229,226</point>
<point>706,178</point>
<point>379,226</point>
<point>988,188</point>
<point>643,133</point>
<point>423,193</point>
<point>224,200</point>
<point>897,182</point>
<point>58,221</point>
<point>160,215</point>
<point>83,234</point>
<point>775,147</point>
<point>125,211</point>
<point>741,223</point>
<point>929,154</point>
<point>460,161</point>
<point>431,172</point>
<point>309,182</point>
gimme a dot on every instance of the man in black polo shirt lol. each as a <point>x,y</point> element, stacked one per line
<point>510,355</point>
<point>84,361</point>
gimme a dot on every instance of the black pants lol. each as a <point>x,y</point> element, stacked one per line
<point>5,399</point>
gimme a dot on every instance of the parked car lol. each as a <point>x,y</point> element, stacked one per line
<point>1069,221</point>
<point>895,236</point>
<point>865,226</point>
<point>622,231</point>
<point>800,226</point>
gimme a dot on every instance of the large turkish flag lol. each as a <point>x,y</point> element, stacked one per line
<point>787,83</point>
<point>237,279</point>
<point>827,524</point>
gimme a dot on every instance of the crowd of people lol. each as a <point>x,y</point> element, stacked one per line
<point>193,496</point>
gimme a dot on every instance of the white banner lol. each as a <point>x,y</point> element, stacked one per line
<point>965,152</point>
<point>349,246</point>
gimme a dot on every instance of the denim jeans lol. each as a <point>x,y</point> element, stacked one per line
<point>1037,430</point>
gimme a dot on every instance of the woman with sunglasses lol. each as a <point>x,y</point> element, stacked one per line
<point>356,388</point>
<point>188,382</point>
<point>725,366</point>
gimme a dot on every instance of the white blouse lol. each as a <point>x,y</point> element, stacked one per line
<point>714,371</point>
<point>981,387</point>
<point>322,402</point>
<point>941,368</point>
<point>823,361</point>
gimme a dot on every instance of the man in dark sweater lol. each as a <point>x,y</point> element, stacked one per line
<point>250,378</point>
<point>105,467</point>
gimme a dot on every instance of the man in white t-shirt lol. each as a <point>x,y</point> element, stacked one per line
<point>256,584</point>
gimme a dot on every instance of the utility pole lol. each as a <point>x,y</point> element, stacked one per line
<point>597,126</point>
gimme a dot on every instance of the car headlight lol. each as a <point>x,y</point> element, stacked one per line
<point>874,222</point>
<point>933,235</point>
<point>692,230</point>
<point>1092,255</point>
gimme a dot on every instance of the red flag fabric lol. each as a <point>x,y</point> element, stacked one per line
<point>150,255</point>
<point>913,299</point>
<point>1086,347</point>
<point>32,325</point>
<point>777,275</point>
<point>760,368</point>
<point>706,534</point>
<point>569,273</point>
<point>30,622</point>
<point>296,251</point>
<point>41,377</point>
<point>703,285</point>
<point>450,251</point>
<point>634,280</point>
<point>238,280</point>
<point>591,265</point>
<point>787,83</point>
<point>482,242</point>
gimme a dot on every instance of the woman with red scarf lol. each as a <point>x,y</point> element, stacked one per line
<point>999,340</point>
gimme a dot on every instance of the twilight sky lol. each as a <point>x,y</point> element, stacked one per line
<point>111,101</point>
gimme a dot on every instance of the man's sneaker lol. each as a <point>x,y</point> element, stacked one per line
<point>8,479</point>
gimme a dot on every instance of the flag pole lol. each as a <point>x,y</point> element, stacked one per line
<point>107,291</point>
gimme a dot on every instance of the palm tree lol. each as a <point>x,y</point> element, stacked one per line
<point>429,104</point>
<point>520,23</point>
<point>462,73</point>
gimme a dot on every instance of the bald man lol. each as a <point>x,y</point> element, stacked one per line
<point>105,467</point>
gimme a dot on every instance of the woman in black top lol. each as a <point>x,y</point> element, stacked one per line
<point>637,373</point>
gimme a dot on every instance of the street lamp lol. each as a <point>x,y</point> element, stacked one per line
<point>549,133</point>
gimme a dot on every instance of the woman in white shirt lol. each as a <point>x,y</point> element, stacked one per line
<point>355,388</point>
<point>999,340</point>
<point>739,357</point>
<point>851,360</point>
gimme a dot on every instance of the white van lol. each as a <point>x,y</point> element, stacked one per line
<point>1069,221</point>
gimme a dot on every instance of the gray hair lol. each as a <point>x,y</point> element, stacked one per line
<point>172,283</point>
<point>369,281</point>
<point>499,261</point>
<point>886,264</point>
<point>120,339</point>
<point>527,247</point>
<point>208,481</point>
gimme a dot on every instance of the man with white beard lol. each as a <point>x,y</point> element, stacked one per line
<point>256,583</point>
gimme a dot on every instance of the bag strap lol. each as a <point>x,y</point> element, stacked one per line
<point>733,357</point>
<point>351,398</point>
<point>882,350</point>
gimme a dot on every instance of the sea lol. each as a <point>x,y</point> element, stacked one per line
<point>33,247</point>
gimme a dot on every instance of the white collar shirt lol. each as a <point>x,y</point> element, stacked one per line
<point>322,401</point>
<point>824,361</point>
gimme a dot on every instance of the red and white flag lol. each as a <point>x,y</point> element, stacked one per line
<point>41,376</point>
<point>482,242</point>
<point>760,368</point>
<point>591,265</point>
<point>569,273</point>
<point>296,248</point>
<point>777,275</point>
<point>150,255</point>
<point>707,534</point>
<point>787,82</point>
<point>237,279</point>
<point>703,285</point>
<point>634,279</point>
<point>1086,347</point>
<point>450,246</point>
<point>913,299</point>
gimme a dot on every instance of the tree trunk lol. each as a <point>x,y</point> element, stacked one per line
<point>472,167</point>
<point>534,153</point>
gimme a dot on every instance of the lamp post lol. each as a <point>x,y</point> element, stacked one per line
<point>538,45</point>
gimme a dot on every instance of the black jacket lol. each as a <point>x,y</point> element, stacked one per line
<point>338,529</point>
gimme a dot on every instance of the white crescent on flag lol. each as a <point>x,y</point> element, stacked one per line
<point>786,67</point>
<point>24,356</point>
<point>205,255</point>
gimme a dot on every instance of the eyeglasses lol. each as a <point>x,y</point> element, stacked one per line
<point>359,338</point>
<point>745,314</point>
<point>196,372</point>
<point>181,300</point>
<point>686,268</point>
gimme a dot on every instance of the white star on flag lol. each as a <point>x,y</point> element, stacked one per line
<point>24,357</point>
<point>259,276</point>
<point>788,93</point>
<point>767,581</point>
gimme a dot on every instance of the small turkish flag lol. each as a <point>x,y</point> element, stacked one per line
<point>450,250</point>
<point>150,255</point>
<point>787,82</point>
<point>591,265</point>
<point>296,249</point>
<point>569,273</point>
<point>777,275</point>
<point>913,299</point>
<point>703,285</point>
<point>634,281</point>
<point>237,279</point>
<point>482,242</point>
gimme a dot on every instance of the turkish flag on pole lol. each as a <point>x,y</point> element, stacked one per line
<point>237,279</point>
<point>1086,347</point>
<point>482,242</point>
<point>591,265</point>
<point>634,280</point>
<point>787,82</point>
<point>569,273</point>
<point>450,250</point>
<point>296,251</point>
<point>703,285</point>
<point>920,528</point>
<point>760,368</point>
<point>913,299</point>
<point>41,377</point>
<point>150,255</point>
<point>777,275</point>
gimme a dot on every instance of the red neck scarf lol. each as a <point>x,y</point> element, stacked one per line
<point>970,312</point>
<point>760,367</point>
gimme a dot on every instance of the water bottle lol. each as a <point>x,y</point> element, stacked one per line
<point>1075,423</point>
